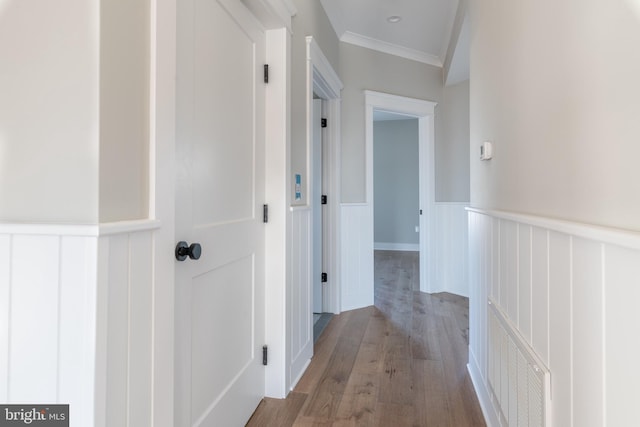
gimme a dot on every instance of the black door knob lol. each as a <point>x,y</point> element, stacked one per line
<point>184,250</point>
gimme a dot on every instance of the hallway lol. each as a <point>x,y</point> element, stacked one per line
<point>400,363</point>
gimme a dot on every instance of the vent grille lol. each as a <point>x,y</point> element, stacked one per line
<point>519,381</point>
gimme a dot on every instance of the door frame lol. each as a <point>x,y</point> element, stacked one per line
<point>317,173</point>
<point>162,126</point>
<point>324,81</point>
<point>424,111</point>
<point>274,15</point>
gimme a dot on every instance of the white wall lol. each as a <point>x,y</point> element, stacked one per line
<point>450,248</point>
<point>356,244</point>
<point>124,109</point>
<point>395,182</point>
<point>555,86</point>
<point>300,296</point>
<point>125,333</point>
<point>74,126</point>
<point>74,149</point>
<point>571,291</point>
<point>47,325</point>
<point>49,111</point>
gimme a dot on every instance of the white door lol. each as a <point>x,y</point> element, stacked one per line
<point>219,199</point>
<point>317,207</point>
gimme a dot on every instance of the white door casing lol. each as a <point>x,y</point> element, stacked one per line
<point>317,207</point>
<point>424,111</point>
<point>325,83</point>
<point>219,198</point>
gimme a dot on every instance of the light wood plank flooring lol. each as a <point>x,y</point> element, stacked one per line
<point>400,363</point>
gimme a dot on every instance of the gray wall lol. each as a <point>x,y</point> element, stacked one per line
<point>395,181</point>
<point>452,145</point>
<point>362,69</point>
<point>310,20</point>
<point>555,87</point>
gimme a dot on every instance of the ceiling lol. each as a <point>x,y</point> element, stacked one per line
<point>434,32</point>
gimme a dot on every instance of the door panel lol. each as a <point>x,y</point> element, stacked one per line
<point>223,146</point>
<point>219,195</point>
<point>233,284</point>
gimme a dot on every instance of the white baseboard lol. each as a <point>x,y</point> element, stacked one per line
<point>481,391</point>
<point>380,246</point>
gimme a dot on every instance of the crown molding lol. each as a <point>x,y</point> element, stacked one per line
<point>273,13</point>
<point>390,48</point>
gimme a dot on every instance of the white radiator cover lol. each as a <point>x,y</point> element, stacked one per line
<point>519,381</point>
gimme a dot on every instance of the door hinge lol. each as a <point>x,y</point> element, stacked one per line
<point>265,213</point>
<point>323,123</point>
<point>266,73</point>
<point>323,199</point>
<point>420,211</point>
<point>265,351</point>
<point>324,278</point>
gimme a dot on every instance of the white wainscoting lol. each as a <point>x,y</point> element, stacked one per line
<point>572,292</point>
<point>447,259</point>
<point>301,304</point>
<point>356,242</point>
<point>125,272</point>
<point>450,247</point>
<point>48,317</point>
<point>75,319</point>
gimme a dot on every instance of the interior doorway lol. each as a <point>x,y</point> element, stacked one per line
<point>319,196</point>
<point>396,182</point>
<point>424,112</point>
<point>323,83</point>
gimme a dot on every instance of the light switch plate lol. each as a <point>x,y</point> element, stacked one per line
<point>486,151</point>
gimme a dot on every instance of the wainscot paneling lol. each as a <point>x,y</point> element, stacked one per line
<point>446,258</point>
<point>449,248</point>
<point>75,319</point>
<point>356,243</point>
<point>301,304</point>
<point>570,291</point>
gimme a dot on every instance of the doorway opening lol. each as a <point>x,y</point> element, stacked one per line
<point>396,182</point>
<point>396,197</point>
<point>382,104</point>
<point>319,155</point>
<point>323,92</point>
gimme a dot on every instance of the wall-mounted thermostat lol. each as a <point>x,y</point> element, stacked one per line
<point>486,151</point>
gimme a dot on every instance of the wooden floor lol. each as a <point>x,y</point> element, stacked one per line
<point>400,363</point>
